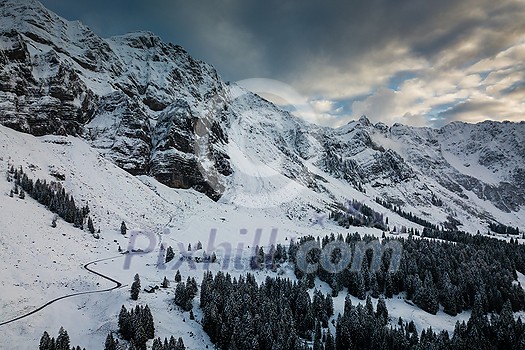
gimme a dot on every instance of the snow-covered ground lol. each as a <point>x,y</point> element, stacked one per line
<point>41,263</point>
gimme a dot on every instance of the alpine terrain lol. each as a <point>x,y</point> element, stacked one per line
<point>126,162</point>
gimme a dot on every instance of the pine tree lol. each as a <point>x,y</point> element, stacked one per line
<point>124,323</point>
<point>180,344</point>
<point>147,320</point>
<point>157,345</point>
<point>191,286</point>
<point>360,286</point>
<point>111,343</point>
<point>389,288</point>
<point>135,288</point>
<point>374,287</point>
<point>426,295</point>
<point>23,196</point>
<point>329,306</point>
<point>45,342</point>
<point>139,337</point>
<point>165,283</point>
<point>382,312</point>
<point>330,342</point>
<point>171,343</point>
<point>447,296</point>
<point>123,228</point>
<point>182,297</point>
<point>91,228</point>
<point>169,254</point>
<point>62,341</point>
<point>505,327</point>
<point>132,345</point>
<point>178,277</point>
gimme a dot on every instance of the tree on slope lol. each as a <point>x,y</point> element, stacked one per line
<point>135,288</point>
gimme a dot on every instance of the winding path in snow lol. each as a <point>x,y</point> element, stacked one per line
<point>86,266</point>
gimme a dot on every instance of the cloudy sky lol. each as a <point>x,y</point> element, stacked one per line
<point>417,62</point>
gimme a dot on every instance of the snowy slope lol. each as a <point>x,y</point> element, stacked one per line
<point>42,263</point>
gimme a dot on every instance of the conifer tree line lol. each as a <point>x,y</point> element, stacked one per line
<point>504,229</point>
<point>449,226</point>
<point>357,214</point>
<point>362,327</point>
<point>185,292</point>
<point>61,342</point>
<point>54,197</point>
<point>431,272</point>
<point>278,314</point>
<point>170,344</point>
<point>407,215</point>
<point>136,326</point>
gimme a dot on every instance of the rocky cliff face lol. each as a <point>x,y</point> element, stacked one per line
<point>483,160</point>
<point>153,109</point>
<point>133,96</point>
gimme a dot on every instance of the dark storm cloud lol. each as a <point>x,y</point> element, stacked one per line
<point>287,34</point>
<point>332,50</point>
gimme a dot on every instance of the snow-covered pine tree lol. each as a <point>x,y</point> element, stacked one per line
<point>426,296</point>
<point>180,344</point>
<point>62,341</point>
<point>169,254</point>
<point>147,320</point>
<point>91,228</point>
<point>135,288</point>
<point>124,323</point>
<point>111,343</point>
<point>165,283</point>
<point>382,312</point>
<point>45,342</point>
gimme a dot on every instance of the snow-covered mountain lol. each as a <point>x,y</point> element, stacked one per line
<point>460,163</point>
<point>154,110</point>
<point>144,133</point>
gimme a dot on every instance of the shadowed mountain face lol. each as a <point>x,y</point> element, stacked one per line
<point>153,109</point>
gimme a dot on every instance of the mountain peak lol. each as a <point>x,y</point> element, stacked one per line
<point>364,120</point>
<point>139,39</point>
<point>21,4</point>
<point>24,11</point>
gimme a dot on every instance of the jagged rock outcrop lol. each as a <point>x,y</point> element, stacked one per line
<point>153,109</point>
<point>58,77</point>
